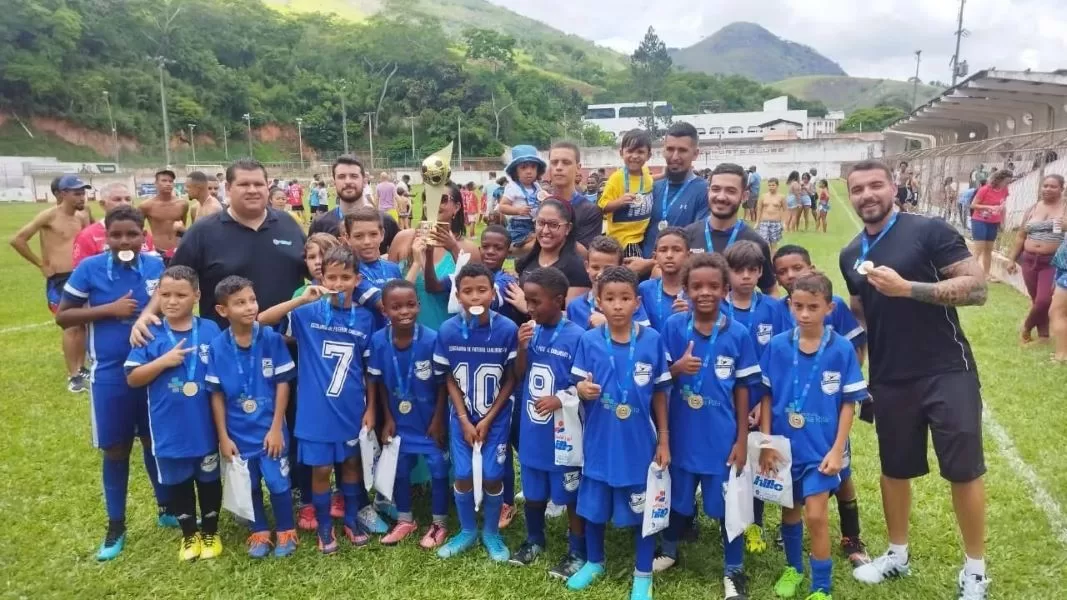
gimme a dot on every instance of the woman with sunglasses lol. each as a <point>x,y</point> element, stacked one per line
<point>555,246</point>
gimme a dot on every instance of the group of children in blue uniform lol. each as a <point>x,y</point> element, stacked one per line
<point>674,371</point>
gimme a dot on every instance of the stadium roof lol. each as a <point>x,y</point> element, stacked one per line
<point>991,104</point>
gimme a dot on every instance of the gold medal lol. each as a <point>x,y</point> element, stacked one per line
<point>405,407</point>
<point>249,405</point>
<point>190,388</point>
<point>696,401</point>
<point>623,411</point>
<point>796,420</point>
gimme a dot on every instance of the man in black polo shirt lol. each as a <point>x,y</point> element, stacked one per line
<point>727,190</point>
<point>349,179</point>
<point>249,239</point>
<point>906,274</point>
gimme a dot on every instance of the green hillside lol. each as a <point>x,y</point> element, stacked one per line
<point>850,93</point>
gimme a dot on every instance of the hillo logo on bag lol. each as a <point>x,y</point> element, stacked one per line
<point>767,483</point>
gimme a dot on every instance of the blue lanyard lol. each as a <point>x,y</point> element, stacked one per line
<point>626,181</point>
<point>327,310</point>
<point>189,361</point>
<point>136,266</point>
<point>756,298</point>
<point>866,245</point>
<point>626,376</point>
<point>375,274</point>
<point>531,197</point>
<point>403,385</point>
<point>800,397</point>
<point>659,301</point>
<point>555,334</point>
<point>466,328</point>
<point>733,235</point>
<point>699,377</point>
<point>246,380</point>
<point>667,204</point>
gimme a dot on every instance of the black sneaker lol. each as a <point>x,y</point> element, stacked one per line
<point>76,384</point>
<point>735,586</point>
<point>566,567</point>
<point>855,550</point>
<point>526,554</point>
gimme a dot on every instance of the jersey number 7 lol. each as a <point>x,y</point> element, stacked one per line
<point>344,353</point>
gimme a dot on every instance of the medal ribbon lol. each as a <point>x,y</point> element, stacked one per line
<point>246,379</point>
<point>756,298</point>
<point>466,328</point>
<point>626,376</point>
<point>800,397</point>
<point>626,181</point>
<point>136,265</point>
<point>667,204</point>
<point>699,377</point>
<point>189,360</point>
<point>866,245</point>
<point>327,310</point>
<point>403,385</point>
<point>733,235</point>
<point>555,334</point>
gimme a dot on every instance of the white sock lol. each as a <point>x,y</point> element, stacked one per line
<point>900,550</point>
<point>974,566</point>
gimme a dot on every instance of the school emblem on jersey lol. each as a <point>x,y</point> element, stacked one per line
<point>831,382</point>
<point>501,453</point>
<point>268,368</point>
<point>571,479</point>
<point>764,333</point>
<point>283,466</point>
<point>423,370</point>
<point>637,502</point>
<point>204,352</point>
<point>150,286</point>
<point>642,373</point>
<point>724,366</point>
<point>209,463</point>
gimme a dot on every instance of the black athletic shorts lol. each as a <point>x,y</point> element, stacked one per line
<point>949,407</point>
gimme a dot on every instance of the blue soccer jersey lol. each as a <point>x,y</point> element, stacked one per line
<point>412,384</point>
<point>657,304</point>
<point>100,280</point>
<point>703,420</point>
<point>759,319</point>
<point>840,318</point>
<point>369,291</point>
<point>248,377</point>
<point>580,309</point>
<point>333,344</point>
<point>620,437</point>
<point>501,280</point>
<point>477,356</point>
<point>549,359</point>
<point>179,403</point>
<point>830,381</point>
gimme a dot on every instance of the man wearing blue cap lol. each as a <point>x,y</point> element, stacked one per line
<point>522,196</point>
<point>58,226</point>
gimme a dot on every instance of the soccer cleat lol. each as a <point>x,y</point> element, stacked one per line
<point>400,531</point>
<point>819,595</point>
<point>520,497</point>
<point>190,548</point>
<point>210,546</point>
<point>495,546</point>
<point>754,542</point>
<point>259,544</point>
<point>306,518</point>
<point>358,536</point>
<point>972,587</point>
<point>567,566</point>
<point>789,582</point>
<point>885,566</point>
<point>371,520</point>
<point>778,538</point>
<point>642,589</point>
<point>328,546</point>
<point>165,519</point>
<point>855,550</point>
<point>385,507</point>
<point>114,541</point>
<point>76,384</point>
<point>735,586</point>
<point>337,506</point>
<point>585,576</point>
<point>526,554</point>
<point>460,543</point>
<point>662,562</point>
<point>287,542</point>
<point>507,513</point>
<point>434,537</point>
<point>554,511</point>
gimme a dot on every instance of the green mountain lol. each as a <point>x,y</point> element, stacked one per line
<point>850,93</point>
<point>750,50</point>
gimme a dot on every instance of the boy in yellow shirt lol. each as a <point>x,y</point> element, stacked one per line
<point>627,197</point>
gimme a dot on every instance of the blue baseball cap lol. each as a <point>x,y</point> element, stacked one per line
<point>72,182</point>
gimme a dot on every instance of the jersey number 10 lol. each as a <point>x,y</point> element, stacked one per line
<point>486,382</point>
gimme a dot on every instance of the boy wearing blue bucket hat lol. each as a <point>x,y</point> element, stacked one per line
<point>522,195</point>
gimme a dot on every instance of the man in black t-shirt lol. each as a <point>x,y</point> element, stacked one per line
<point>906,274</point>
<point>350,179</point>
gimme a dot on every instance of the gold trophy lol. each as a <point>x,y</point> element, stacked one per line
<point>436,171</point>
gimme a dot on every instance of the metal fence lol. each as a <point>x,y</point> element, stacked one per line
<point>1029,156</point>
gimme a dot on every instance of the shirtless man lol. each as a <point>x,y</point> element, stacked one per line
<point>769,214</point>
<point>58,226</point>
<point>197,185</point>
<point>163,212</point>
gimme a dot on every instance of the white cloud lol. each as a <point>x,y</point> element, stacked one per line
<point>868,38</point>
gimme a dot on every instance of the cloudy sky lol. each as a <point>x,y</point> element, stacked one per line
<point>868,38</point>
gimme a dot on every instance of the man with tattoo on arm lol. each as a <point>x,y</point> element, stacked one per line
<point>906,275</point>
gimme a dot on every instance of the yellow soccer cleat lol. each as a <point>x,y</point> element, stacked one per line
<point>190,548</point>
<point>211,546</point>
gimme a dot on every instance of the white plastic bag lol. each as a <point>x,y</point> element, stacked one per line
<point>237,488</point>
<point>476,471</point>
<point>385,471</point>
<point>776,488</point>
<point>568,431</point>
<point>368,452</point>
<point>453,300</point>
<point>657,500</point>
<point>739,509</point>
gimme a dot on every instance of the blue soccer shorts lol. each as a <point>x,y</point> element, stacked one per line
<point>559,486</point>
<point>600,503</point>
<point>808,481</point>
<point>119,413</point>
<point>323,454</point>
<point>173,471</point>
<point>684,488</point>
<point>494,449</point>
<point>274,472</point>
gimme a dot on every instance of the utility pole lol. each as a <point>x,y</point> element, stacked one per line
<point>412,121</point>
<point>459,134</point>
<point>192,140</point>
<point>248,120</point>
<point>915,83</point>
<point>114,132</point>
<point>344,115</point>
<point>960,32</point>
<point>160,61</point>
<point>226,142</point>
<point>300,139</point>
<point>370,136</point>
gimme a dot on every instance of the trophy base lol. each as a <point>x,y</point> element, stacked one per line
<point>426,227</point>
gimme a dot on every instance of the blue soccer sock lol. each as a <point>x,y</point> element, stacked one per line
<point>321,502</point>
<point>757,512</point>
<point>576,545</point>
<point>116,476</point>
<point>509,477</point>
<point>594,542</point>
<point>158,488</point>
<point>352,505</point>
<point>535,523</point>
<point>282,503</point>
<point>491,505</point>
<point>793,540</point>
<point>733,552</point>
<point>468,520</point>
<point>673,534</point>
<point>258,509</point>
<point>820,574</point>
<point>646,551</point>
<point>402,497</point>
<point>439,499</point>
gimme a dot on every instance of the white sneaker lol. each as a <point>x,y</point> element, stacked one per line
<point>553,510</point>
<point>662,562</point>
<point>972,587</point>
<point>519,497</point>
<point>887,565</point>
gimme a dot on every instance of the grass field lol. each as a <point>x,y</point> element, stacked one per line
<point>53,516</point>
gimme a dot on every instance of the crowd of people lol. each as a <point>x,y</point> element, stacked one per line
<point>591,315</point>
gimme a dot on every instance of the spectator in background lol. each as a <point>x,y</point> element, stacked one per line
<point>987,214</point>
<point>295,195</point>
<point>386,191</point>
<point>489,188</point>
<point>470,207</point>
<point>219,189</point>
<point>755,182</point>
<point>403,188</point>
<point>965,200</point>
